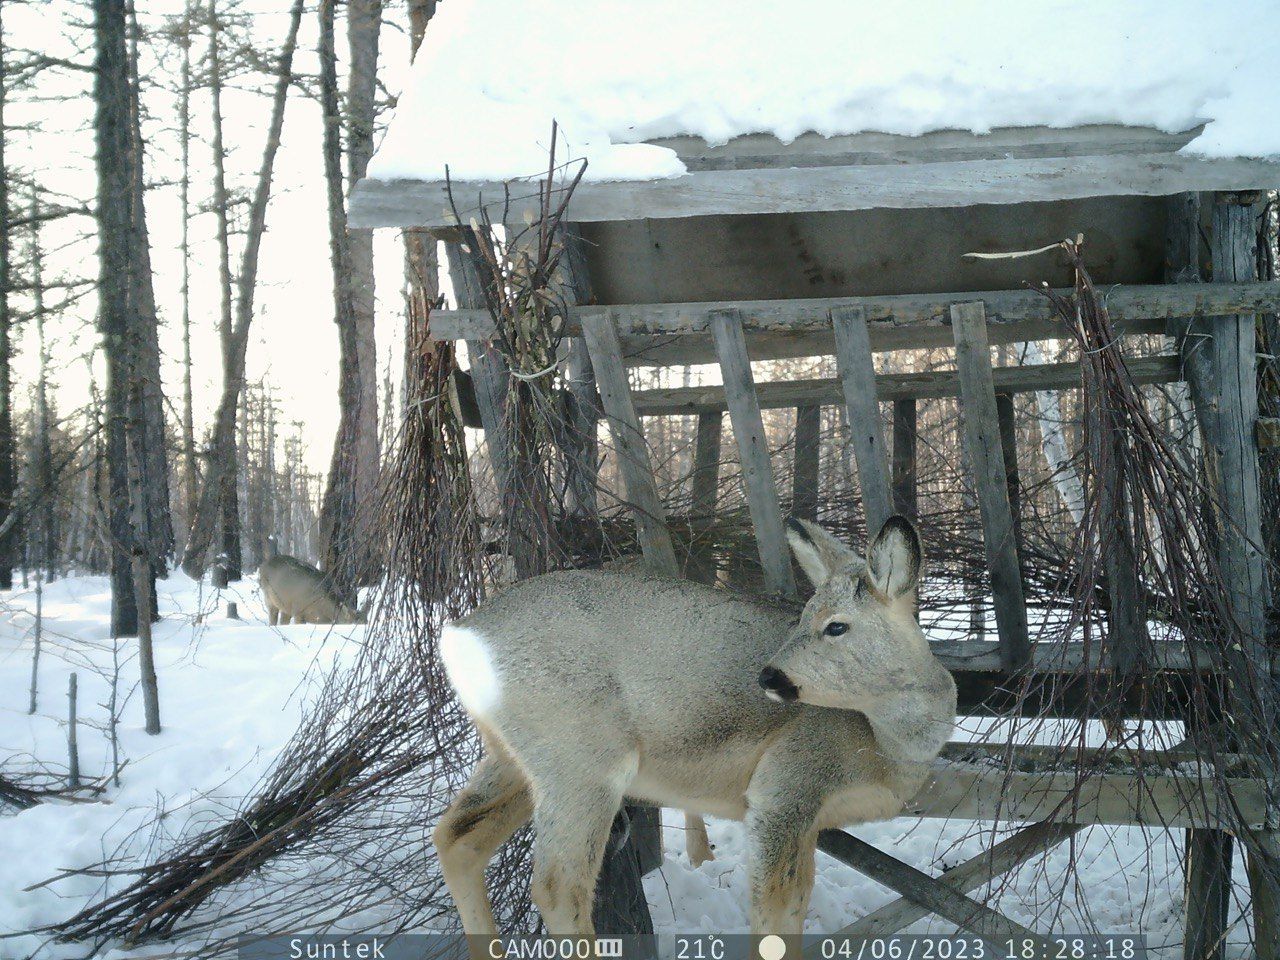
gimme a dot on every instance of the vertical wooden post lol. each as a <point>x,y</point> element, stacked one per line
<point>581,447</point>
<point>858,382</point>
<point>1009,451</point>
<point>628,438</point>
<point>903,472</point>
<point>1224,384</point>
<point>804,479</point>
<point>704,489</point>
<point>753,449</point>
<point>1266,897</point>
<point>73,746</point>
<point>986,456</point>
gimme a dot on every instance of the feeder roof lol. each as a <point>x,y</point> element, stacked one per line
<point>663,98</point>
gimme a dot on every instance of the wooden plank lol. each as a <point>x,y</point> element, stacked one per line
<point>932,894</point>
<point>581,447</point>
<point>1207,894</point>
<point>866,433</point>
<point>982,439</point>
<point>753,450</point>
<point>1009,450</point>
<point>1012,852</point>
<point>960,183</point>
<point>704,489</point>
<point>628,440</point>
<point>1265,888</point>
<point>757,150</point>
<point>984,656</point>
<point>928,385</point>
<point>967,791</point>
<point>807,466</point>
<point>903,468</point>
<point>886,314</point>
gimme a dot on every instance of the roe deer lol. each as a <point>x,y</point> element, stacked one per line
<point>296,590</point>
<point>590,687</point>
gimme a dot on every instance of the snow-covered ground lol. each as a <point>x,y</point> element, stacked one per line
<point>232,692</point>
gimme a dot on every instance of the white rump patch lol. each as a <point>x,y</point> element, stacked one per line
<point>470,667</point>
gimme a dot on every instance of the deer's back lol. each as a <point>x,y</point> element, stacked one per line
<point>659,660</point>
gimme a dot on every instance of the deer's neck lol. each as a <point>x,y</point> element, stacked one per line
<point>915,725</point>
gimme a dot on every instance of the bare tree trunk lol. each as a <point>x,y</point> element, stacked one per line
<point>364,23</point>
<point>8,473</point>
<point>156,529</point>
<point>195,556</point>
<point>190,471</point>
<point>342,547</point>
<point>1053,442</point>
<point>229,507</point>
<point>43,454</point>
<point>115,229</point>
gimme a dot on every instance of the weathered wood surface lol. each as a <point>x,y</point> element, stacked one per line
<point>1125,304</point>
<point>1207,893</point>
<point>1265,888</point>
<point>753,451</point>
<point>957,183</point>
<point>756,150</point>
<point>807,456</point>
<point>902,469</point>
<point>826,391</point>
<point>986,458</point>
<point>932,894</point>
<point>966,877</point>
<point>968,791</point>
<point>983,656</point>
<point>704,488</point>
<point>866,432</point>
<point>628,439</point>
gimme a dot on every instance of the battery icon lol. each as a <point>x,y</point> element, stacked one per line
<point>609,947</point>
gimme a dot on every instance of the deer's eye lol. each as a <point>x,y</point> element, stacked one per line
<point>835,628</point>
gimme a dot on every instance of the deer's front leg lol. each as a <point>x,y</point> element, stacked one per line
<point>782,843</point>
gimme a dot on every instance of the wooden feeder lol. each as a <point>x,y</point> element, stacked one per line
<point>852,245</point>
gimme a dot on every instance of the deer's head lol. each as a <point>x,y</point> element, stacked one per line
<point>858,646</point>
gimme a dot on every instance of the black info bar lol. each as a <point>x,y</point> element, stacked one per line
<point>702,946</point>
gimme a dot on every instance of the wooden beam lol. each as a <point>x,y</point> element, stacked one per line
<point>753,451</point>
<point>969,791</point>
<point>758,150</point>
<point>704,489</point>
<point>628,440</point>
<point>929,385</point>
<point>986,457</point>
<point>1264,884</point>
<point>866,433</point>
<point>900,312</point>
<point>1012,852</point>
<point>960,183</point>
<point>807,464</point>
<point>917,886</point>
<point>903,468</point>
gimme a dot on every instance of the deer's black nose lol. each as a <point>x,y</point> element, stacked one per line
<point>778,685</point>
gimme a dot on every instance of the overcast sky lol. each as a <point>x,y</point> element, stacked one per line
<point>294,341</point>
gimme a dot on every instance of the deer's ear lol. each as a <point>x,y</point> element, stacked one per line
<point>894,558</point>
<point>818,552</point>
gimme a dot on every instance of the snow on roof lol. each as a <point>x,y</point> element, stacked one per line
<point>492,75</point>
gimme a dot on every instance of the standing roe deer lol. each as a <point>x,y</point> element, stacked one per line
<point>589,687</point>
<point>297,590</point>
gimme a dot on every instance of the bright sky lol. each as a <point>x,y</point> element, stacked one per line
<point>294,340</point>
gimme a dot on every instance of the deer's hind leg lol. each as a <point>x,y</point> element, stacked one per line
<point>571,824</point>
<point>488,810</point>
<point>696,842</point>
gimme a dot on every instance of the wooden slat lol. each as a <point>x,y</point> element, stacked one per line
<point>628,439</point>
<point>704,489</point>
<point>932,894</point>
<point>965,791</point>
<point>982,439</point>
<point>984,656</point>
<point>903,313</point>
<point>902,470</point>
<point>807,457</point>
<point>417,203</point>
<point>866,433</point>
<point>682,401</point>
<point>1027,843</point>
<point>1009,448</point>
<point>1265,888</point>
<point>753,450</point>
